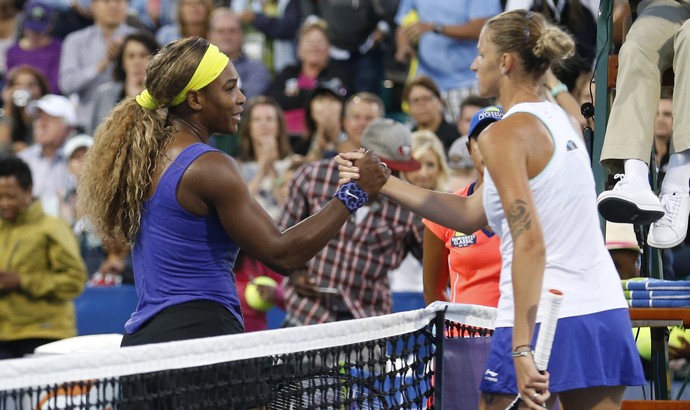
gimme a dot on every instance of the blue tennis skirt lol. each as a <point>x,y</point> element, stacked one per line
<point>588,351</point>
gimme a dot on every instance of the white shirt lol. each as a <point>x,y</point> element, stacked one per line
<point>577,262</point>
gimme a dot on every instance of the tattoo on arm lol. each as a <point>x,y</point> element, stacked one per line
<point>519,218</point>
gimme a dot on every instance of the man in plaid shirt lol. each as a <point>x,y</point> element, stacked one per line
<point>348,279</point>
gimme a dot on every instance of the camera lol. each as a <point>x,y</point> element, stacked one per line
<point>21,97</point>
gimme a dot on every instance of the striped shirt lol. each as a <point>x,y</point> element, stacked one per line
<point>355,263</point>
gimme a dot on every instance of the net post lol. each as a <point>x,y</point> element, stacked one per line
<point>439,323</point>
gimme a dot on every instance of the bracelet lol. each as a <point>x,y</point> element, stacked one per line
<point>352,196</point>
<point>523,353</point>
<point>558,89</point>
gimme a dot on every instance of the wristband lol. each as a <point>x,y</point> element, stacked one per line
<point>558,89</point>
<point>352,196</point>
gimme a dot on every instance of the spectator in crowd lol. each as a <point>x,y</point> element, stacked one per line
<point>131,60</point>
<point>324,114</point>
<point>37,47</point>
<point>624,249</point>
<point>264,150</point>
<point>192,21</point>
<point>657,40</point>
<point>348,279</point>
<point>88,55</point>
<point>225,31</point>
<point>428,150</point>
<point>54,121</point>
<point>584,89</point>
<point>446,43</point>
<point>23,85</point>
<point>470,106</point>
<point>105,264</point>
<point>462,169</point>
<point>577,17</point>
<point>360,110</point>
<point>152,181</point>
<point>468,264</point>
<point>277,24</point>
<point>41,271</point>
<point>8,31</point>
<point>426,109</point>
<point>356,30</point>
<point>293,85</point>
<point>433,171</point>
<point>537,170</point>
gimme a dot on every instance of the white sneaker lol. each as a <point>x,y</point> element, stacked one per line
<point>629,202</point>
<point>670,230</point>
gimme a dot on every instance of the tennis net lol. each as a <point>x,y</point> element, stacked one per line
<point>386,362</point>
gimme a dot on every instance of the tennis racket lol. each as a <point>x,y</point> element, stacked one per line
<point>547,331</point>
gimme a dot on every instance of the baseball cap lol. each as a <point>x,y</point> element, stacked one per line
<point>391,141</point>
<point>621,236</point>
<point>458,154</point>
<point>76,142</point>
<point>39,16</point>
<point>55,105</point>
<point>334,87</point>
<point>482,118</point>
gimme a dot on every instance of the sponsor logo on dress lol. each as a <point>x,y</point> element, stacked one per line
<point>460,240</point>
<point>491,376</point>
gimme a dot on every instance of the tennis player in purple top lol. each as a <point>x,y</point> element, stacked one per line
<point>152,182</point>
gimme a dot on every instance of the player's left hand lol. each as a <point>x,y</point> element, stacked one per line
<point>532,385</point>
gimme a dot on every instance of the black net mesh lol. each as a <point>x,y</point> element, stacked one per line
<point>387,362</point>
<point>390,373</point>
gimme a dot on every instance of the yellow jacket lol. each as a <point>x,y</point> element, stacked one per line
<point>44,252</point>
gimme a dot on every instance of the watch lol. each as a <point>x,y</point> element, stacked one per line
<point>438,28</point>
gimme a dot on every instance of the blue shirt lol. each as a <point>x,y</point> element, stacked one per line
<point>446,60</point>
<point>179,257</point>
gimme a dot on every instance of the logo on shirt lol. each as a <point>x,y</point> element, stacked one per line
<point>460,240</point>
<point>491,376</point>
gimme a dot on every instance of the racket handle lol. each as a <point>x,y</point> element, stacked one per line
<point>547,330</point>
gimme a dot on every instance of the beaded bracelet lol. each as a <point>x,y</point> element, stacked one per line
<point>352,196</point>
<point>558,89</point>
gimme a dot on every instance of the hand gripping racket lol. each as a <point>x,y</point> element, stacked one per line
<point>547,331</point>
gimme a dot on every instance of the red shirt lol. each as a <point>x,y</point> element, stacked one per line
<point>474,262</point>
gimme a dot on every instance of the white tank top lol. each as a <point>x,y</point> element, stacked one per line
<point>577,261</point>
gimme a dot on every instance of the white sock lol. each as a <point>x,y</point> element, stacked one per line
<point>639,170</point>
<point>677,174</point>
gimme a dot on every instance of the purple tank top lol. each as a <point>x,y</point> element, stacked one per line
<point>179,257</point>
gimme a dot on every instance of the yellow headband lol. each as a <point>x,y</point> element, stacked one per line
<point>209,68</point>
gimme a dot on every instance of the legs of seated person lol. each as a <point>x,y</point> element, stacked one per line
<point>656,41</point>
<point>681,99</point>
<point>645,54</point>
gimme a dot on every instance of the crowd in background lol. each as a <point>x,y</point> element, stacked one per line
<point>316,73</point>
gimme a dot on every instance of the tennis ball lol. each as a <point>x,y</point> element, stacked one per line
<point>673,340</point>
<point>644,342</point>
<point>252,296</point>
